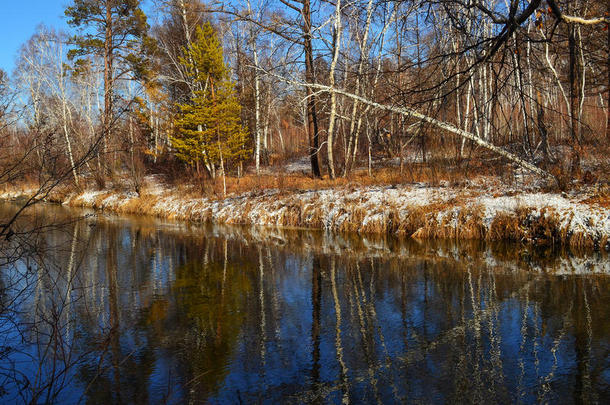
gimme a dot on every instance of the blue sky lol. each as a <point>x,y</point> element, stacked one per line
<point>18,21</point>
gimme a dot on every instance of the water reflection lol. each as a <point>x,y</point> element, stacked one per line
<point>128,311</point>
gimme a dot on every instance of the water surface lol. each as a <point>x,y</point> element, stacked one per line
<point>125,310</point>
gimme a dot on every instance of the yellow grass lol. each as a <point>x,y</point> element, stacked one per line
<point>458,221</point>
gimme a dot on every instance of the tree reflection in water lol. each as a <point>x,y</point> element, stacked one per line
<point>132,311</point>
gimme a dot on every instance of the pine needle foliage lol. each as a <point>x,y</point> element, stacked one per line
<point>208,127</point>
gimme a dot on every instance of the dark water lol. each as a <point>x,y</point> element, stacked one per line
<point>110,310</point>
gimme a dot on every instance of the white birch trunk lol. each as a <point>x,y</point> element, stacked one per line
<point>354,129</point>
<point>257,97</point>
<point>333,96</point>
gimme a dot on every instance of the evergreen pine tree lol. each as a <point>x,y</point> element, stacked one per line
<point>208,128</point>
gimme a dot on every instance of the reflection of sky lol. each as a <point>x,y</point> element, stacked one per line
<point>425,353</point>
<point>165,374</point>
<point>504,360</point>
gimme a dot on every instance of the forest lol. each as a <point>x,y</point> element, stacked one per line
<point>307,201</point>
<point>231,97</point>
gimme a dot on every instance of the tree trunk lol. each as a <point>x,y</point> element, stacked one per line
<point>108,73</point>
<point>583,83</point>
<point>65,115</point>
<point>69,150</point>
<point>542,129</point>
<point>527,139</point>
<point>575,163</point>
<point>608,66</point>
<point>257,109</point>
<point>370,152</point>
<point>257,98</point>
<point>333,96</point>
<point>312,117</point>
<point>352,145</point>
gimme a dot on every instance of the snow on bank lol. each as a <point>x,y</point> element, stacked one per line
<point>15,193</point>
<point>374,212</point>
<point>418,211</point>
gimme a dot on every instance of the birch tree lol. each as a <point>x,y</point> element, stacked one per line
<point>45,72</point>
<point>336,41</point>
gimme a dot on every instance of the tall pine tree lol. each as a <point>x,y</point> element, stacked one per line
<point>208,127</point>
<point>116,31</point>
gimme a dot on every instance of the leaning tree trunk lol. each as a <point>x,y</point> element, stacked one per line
<point>411,113</point>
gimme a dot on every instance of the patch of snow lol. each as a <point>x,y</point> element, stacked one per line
<point>89,197</point>
<point>299,165</point>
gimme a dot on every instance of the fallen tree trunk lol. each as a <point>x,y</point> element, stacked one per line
<point>409,112</point>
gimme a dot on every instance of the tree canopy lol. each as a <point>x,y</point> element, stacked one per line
<point>208,127</point>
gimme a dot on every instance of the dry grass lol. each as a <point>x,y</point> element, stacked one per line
<point>506,226</point>
<point>600,196</point>
<point>459,220</point>
<point>460,223</point>
<point>455,218</point>
<point>432,174</point>
<point>142,205</point>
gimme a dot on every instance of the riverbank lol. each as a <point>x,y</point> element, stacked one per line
<point>418,211</point>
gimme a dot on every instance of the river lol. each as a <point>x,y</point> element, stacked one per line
<point>106,309</point>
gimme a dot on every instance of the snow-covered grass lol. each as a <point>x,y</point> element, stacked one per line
<point>17,192</point>
<point>417,210</point>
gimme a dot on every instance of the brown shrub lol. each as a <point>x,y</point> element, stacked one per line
<point>506,226</point>
<point>470,224</point>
